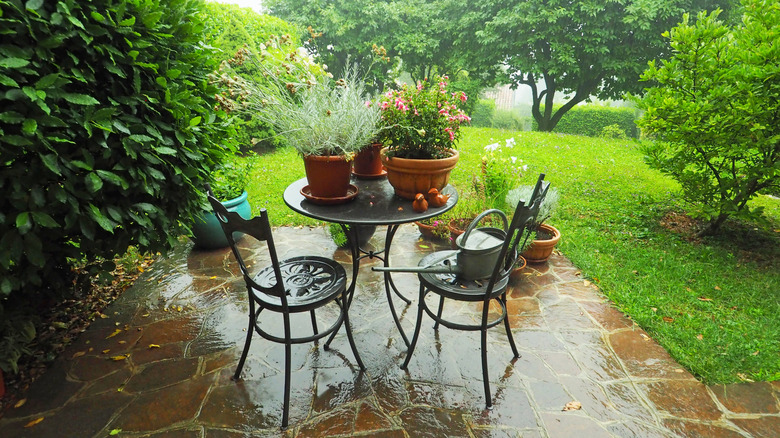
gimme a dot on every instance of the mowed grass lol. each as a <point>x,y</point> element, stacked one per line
<point>713,303</point>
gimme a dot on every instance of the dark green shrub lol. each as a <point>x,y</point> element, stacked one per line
<point>590,120</point>
<point>507,119</point>
<point>613,131</point>
<point>230,27</point>
<point>107,134</point>
<point>483,113</point>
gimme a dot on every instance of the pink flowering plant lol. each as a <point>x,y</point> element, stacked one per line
<point>421,121</point>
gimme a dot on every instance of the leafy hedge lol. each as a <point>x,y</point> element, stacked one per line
<point>483,113</point>
<point>591,120</point>
<point>229,28</point>
<point>106,135</point>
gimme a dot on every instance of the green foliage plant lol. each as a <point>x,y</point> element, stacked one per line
<point>498,174</point>
<point>107,132</point>
<point>613,131</point>
<point>713,108</point>
<point>546,209</point>
<point>421,121</point>
<point>507,119</point>
<point>231,178</point>
<point>228,28</point>
<point>482,116</point>
<point>315,114</point>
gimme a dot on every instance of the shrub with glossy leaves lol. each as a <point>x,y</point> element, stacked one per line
<point>107,133</point>
<point>714,109</point>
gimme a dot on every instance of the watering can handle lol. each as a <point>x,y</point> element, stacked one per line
<point>481,216</point>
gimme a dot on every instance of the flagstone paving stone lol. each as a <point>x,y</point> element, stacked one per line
<point>161,365</point>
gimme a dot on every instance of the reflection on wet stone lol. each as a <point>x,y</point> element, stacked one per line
<point>176,381</point>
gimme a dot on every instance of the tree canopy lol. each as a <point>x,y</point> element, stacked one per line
<point>583,49</point>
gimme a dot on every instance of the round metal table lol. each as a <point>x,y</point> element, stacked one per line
<point>375,204</point>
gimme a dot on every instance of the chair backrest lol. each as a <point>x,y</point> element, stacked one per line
<point>519,231</point>
<point>259,228</point>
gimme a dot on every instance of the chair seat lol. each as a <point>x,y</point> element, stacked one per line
<point>309,281</point>
<point>450,286</point>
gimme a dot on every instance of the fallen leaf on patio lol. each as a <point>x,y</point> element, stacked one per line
<point>178,308</point>
<point>586,282</point>
<point>679,370</point>
<point>572,406</point>
<point>668,319</point>
<point>115,432</point>
<point>153,346</point>
<point>78,354</point>
<point>106,351</point>
<point>116,332</point>
<point>59,325</point>
<point>424,246</point>
<point>744,377</point>
<point>140,269</point>
<point>145,315</point>
<point>120,357</point>
<point>103,316</point>
<point>644,336</point>
<point>400,209</point>
<point>213,277</point>
<point>705,299</point>
<point>700,336</point>
<point>20,403</point>
<point>34,422</point>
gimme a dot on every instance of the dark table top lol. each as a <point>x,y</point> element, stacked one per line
<point>375,204</point>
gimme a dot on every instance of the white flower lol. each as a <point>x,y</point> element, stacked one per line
<point>510,142</point>
<point>514,159</point>
<point>492,147</point>
<point>330,47</point>
<point>525,167</point>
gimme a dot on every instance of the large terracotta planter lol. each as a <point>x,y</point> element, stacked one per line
<point>328,175</point>
<point>540,250</point>
<point>368,162</point>
<point>410,176</point>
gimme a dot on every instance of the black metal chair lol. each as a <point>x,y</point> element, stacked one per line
<point>294,285</point>
<point>450,286</point>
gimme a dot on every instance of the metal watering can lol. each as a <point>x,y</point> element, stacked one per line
<point>477,253</point>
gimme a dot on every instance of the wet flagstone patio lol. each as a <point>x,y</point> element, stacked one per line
<point>160,366</point>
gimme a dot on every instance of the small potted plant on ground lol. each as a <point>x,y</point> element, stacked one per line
<point>420,127</point>
<point>547,236</point>
<point>228,183</point>
<point>326,120</point>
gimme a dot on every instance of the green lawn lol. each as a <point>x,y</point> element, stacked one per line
<point>714,304</point>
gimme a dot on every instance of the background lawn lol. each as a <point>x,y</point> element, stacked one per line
<point>714,304</point>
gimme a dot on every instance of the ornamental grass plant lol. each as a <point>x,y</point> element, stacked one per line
<point>422,121</point>
<point>314,113</point>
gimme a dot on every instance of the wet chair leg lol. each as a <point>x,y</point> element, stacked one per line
<point>249,332</point>
<point>509,329</point>
<point>348,327</point>
<point>417,327</point>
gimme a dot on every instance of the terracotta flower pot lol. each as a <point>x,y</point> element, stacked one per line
<point>328,175</point>
<point>411,176</point>
<point>368,162</point>
<point>540,250</point>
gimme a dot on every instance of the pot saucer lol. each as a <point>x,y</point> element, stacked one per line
<point>369,176</point>
<point>352,192</point>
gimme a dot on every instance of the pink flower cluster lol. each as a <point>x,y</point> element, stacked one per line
<point>422,121</point>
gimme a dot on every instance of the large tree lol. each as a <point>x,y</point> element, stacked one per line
<point>417,35</point>
<point>578,49</point>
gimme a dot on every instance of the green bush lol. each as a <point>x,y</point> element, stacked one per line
<point>507,119</point>
<point>613,131</point>
<point>591,120</point>
<point>107,134</point>
<point>483,113</point>
<point>229,28</point>
<point>717,125</point>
